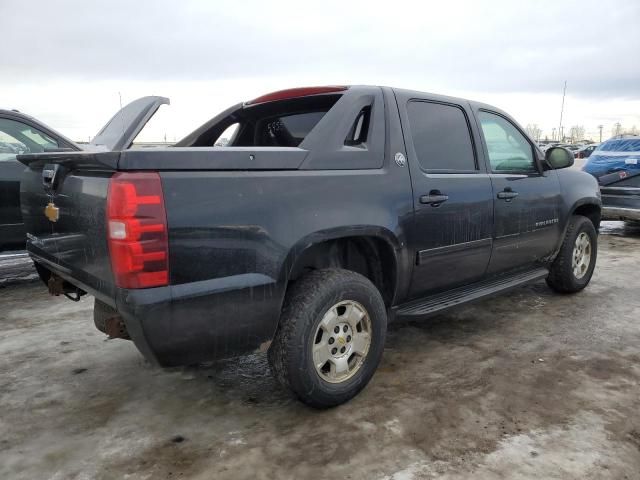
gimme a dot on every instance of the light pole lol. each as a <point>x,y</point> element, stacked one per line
<point>617,130</point>
<point>600,128</point>
<point>564,91</point>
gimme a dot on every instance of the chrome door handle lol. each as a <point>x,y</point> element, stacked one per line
<point>507,194</point>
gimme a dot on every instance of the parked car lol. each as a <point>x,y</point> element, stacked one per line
<point>585,151</point>
<point>544,148</point>
<point>22,134</point>
<point>616,165</point>
<point>330,212</point>
<point>571,148</point>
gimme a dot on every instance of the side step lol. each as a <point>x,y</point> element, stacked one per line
<point>442,301</point>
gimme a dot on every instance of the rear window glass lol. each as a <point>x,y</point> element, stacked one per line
<point>287,130</point>
<point>623,145</point>
<point>283,123</point>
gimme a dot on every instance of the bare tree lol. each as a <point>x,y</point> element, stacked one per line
<point>534,131</point>
<point>576,133</point>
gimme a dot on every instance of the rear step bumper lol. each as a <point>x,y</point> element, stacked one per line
<point>437,303</point>
<point>193,322</point>
<point>620,213</point>
<point>201,321</point>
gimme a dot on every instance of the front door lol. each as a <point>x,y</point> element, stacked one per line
<point>526,197</point>
<point>453,205</point>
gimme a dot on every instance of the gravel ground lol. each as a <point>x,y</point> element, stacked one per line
<point>527,385</point>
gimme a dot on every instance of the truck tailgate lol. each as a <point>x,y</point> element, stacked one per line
<point>63,201</point>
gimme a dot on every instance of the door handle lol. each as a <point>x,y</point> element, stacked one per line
<point>435,198</point>
<point>507,194</point>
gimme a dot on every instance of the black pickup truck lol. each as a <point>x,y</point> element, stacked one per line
<point>328,212</point>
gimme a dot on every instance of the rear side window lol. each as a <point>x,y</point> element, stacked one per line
<point>441,137</point>
<point>509,150</point>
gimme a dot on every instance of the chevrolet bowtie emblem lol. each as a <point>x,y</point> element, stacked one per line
<point>52,212</point>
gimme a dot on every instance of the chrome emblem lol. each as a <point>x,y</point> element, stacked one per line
<point>52,212</point>
<point>341,341</point>
<point>400,160</point>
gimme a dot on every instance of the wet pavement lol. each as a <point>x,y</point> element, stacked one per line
<point>531,384</point>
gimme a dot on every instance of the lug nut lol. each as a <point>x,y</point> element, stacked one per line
<point>345,329</point>
<point>334,351</point>
<point>342,350</point>
<point>331,340</point>
<point>336,330</point>
<point>348,338</point>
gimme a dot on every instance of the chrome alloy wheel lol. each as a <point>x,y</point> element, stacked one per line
<point>581,257</point>
<point>342,341</point>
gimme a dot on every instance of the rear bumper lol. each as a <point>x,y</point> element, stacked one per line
<point>620,203</point>
<point>201,321</point>
<point>192,322</point>
<point>619,213</point>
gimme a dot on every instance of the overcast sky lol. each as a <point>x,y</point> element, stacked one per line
<point>64,62</point>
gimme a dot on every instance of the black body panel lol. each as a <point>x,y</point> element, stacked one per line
<point>74,246</point>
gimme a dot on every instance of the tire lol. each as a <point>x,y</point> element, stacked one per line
<point>562,276</point>
<point>336,298</point>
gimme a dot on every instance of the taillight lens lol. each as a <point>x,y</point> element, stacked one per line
<point>137,230</point>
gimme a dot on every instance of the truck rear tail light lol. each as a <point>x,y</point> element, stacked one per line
<point>137,230</point>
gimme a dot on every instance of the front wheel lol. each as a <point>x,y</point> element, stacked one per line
<point>573,267</point>
<point>330,337</point>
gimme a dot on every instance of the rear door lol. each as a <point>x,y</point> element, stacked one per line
<point>451,235</point>
<point>526,197</point>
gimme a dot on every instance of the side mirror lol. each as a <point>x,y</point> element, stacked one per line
<point>559,157</point>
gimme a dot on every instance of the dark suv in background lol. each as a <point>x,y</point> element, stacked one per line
<point>20,134</point>
<point>616,165</point>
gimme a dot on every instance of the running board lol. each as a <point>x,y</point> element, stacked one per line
<point>442,301</point>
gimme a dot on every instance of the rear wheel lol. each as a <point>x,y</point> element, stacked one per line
<point>573,267</point>
<point>330,337</point>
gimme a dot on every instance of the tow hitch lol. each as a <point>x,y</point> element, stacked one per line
<point>57,286</point>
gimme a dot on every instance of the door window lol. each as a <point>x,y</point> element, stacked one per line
<point>441,137</point>
<point>509,150</point>
<point>18,138</point>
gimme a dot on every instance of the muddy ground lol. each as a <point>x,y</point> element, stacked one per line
<point>528,385</point>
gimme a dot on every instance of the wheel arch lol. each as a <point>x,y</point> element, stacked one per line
<point>374,252</point>
<point>590,208</point>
